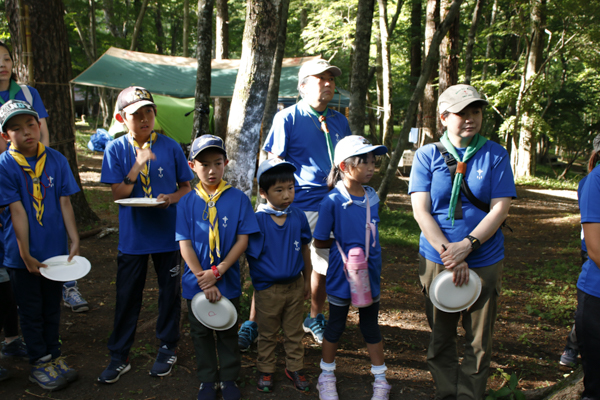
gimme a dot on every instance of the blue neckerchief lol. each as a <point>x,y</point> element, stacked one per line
<point>369,191</point>
<point>267,209</point>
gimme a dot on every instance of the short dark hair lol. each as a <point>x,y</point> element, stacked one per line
<point>271,177</point>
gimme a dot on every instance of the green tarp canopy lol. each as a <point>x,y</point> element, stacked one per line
<point>175,76</point>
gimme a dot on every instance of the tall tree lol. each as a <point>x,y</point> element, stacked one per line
<point>251,86</point>
<point>221,53</point>
<point>51,62</point>
<point>203,54</point>
<point>429,102</point>
<point>428,67</point>
<point>138,26</point>
<point>186,27</point>
<point>360,66</point>
<point>471,40</point>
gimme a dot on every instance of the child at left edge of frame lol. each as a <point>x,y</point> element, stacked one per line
<point>36,183</point>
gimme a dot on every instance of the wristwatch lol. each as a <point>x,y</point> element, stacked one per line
<point>128,181</point>
<point>475,243</point>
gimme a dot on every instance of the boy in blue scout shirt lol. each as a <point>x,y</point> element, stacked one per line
<point>213,224</point>
<point>280,268</point>
<point>144,164</point>
<point>36,183</point>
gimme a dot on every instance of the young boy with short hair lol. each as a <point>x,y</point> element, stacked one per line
<point>213,224</point>
<point>35,183</point>
<point>144,164</point>
<point>280,268</point>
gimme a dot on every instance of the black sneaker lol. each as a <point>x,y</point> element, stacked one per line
<point>299,380</point>
<point>207,391</point>
<point>569,357</point>
<point>164,362</point>
<point>15,349</point>
<point>230,391</point>
<point>265,382</point>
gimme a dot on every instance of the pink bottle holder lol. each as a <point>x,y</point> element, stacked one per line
<point>357,274</point>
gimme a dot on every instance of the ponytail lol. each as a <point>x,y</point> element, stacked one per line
<point>335,175</point>
<point>594,159</point>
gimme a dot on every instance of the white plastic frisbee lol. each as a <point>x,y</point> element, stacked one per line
<point>220,315</point>
<point>139,202</point>
<point>62,271</point>
<point>450,298</point>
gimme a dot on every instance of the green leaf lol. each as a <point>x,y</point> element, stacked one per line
<point>519,395</point>
<point>513,381</point>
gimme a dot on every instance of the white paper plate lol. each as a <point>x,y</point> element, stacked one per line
<point>139,202</point>
<point>450,298</point>
<point>62,271</point>
<point>220,315</point>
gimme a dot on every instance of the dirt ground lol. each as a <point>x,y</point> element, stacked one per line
<point>546,234</point>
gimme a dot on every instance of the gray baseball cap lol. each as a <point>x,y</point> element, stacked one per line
<point>316,67</point>
<point>13,108</point>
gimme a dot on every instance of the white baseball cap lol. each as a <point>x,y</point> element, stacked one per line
<point>355,145</point>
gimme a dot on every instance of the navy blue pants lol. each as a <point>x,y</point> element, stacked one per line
<point>587,325</point>
<point>9,319</point>
<point>39,300</point>
<point>131,279</point>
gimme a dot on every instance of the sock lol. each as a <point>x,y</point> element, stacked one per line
<point>327,368</point>
<point>379,372</point>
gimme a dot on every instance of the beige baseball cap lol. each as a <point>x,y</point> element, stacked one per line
<point>316,67</point>
<point>457,97</point>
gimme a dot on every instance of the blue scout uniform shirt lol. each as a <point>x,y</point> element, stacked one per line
<point>50,239</point>
<point>589,279</point>
<point>579,189</point>
<point>235,216</point>
<point>488,175</point>
<point>147,230</point>
<point>275,253</point>
<point>348,227</point>
<point>296,136</point>
<point>38,104</point>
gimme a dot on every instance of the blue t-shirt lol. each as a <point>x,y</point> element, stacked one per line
<point>296,137</point>
<point>47,240</point>
<point>38,104</point>
<point>147,230</point>
<point>579,189</point>
<point>589,279</point>
<point>275,253</point>
<point>3,217</point>
<point>235,216</point>
<point>488,175</point>
<point>348,227</point>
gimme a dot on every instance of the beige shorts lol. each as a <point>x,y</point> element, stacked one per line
<point>318,257</point>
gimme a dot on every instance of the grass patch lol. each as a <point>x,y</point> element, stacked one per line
<point>398,228</point>
<point>545,179</point>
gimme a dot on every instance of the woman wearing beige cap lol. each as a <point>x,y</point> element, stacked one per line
<point>461,232</point>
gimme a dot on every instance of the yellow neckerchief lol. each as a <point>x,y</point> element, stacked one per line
<point>36,176</point>
<point>211,203</point>
<point>145,172</point>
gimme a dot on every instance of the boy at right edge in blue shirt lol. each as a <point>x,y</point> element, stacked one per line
<point>280,267</point>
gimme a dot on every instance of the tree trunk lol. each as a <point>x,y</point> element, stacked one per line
<point>525,162</point>
<point>203,54</point>
<point>109,18</point>
<point>471,41</point>
<point>360,66</point>
<point>488,47</point>
<point>250,93</point>
<point>186,27</point>
<point>93,48</point>
<point>448,68</point>
<point>429,104</point>
<point>388,129</point>
<point>160,32</point>
<point>52,71</point>
<point>430,64</point>
<point>273,92</point>
<point>138,25</point>
<point>221,52</point>
<point>415,47</point>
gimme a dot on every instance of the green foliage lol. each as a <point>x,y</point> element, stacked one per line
<point>509,392</point>
<point>398,228</point>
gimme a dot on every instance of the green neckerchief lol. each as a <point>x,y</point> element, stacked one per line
<point>476,143</point>
<point>12,91</point>
<point>318,115</point>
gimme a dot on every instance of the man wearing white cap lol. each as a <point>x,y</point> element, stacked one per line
<point>306,135</point>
